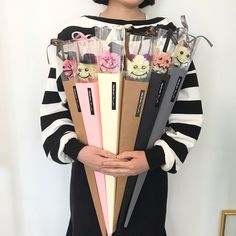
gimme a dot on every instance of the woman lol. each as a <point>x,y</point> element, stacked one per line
<point>62,145</point>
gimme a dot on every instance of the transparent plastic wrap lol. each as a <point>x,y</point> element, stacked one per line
<point>67,56</point>
<point>138,57</point>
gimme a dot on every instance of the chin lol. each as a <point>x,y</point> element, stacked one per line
<point>130,3</point>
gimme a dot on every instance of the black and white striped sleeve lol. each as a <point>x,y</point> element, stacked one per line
<point>58,134</point>
<point>183,127</point>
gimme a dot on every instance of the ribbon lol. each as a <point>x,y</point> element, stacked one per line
<point>189,38</point>
<point>79,36</point>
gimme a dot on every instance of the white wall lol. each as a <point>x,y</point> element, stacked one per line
<point>34,192</point>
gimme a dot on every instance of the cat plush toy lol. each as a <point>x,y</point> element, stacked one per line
<point>182,55</point>
<point>87,68</point>
<point>138,68</point>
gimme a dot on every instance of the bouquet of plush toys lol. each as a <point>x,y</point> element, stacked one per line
<point>121,85</point>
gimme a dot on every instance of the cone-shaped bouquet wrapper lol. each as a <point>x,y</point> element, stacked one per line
<point>179,58</point>
<point>163,47</point>
<point>68,52</point>
<point>110,77</point>
<point>138,69</point>
<point>88,92</point>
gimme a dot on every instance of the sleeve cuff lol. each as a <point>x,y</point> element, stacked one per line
<point>155,156</point>
<point>73,147</point>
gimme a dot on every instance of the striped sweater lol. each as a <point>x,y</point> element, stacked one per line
<point>59,138</point>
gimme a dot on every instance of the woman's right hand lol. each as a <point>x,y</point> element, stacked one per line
<point>93,157</point>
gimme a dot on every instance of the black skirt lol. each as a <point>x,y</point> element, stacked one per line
<point>148,218</point>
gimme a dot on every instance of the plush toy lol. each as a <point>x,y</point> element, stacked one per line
<point>69,68</point>
<point>161,62</point>
<point>138,68</point>
<point>182,55</point>
<point>87,72</point>
<point>110,62</point>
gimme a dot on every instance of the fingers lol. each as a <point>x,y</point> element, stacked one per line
<point>126,155</point>
<point>102,152</point>
<point>118,167</point>
<point>116,172</point>
<point>116,163</point>
<point>107,154</point>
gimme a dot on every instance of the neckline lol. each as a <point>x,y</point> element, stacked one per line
<point>145,17</point>
<point>124,22</point>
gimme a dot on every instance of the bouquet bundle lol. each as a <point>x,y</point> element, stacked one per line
<point>121,85</point>
<point>172,56</point>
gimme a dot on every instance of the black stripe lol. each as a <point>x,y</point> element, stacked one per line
<point>173,169</point>
<point>187,107</point>
<point>190,81</point>
<point>55,137</point>
<point>155,156</point>
<point>66,33</point>
<point>49,119</point>
<point>191,67</point>
<point>60,84</point>
<point>52,73</point>
<point>66,105</point>
<point>72,148</point>
<point>192,131</point>
<point>179,148</point>
<point>124,22</point>
<point>51,97</point>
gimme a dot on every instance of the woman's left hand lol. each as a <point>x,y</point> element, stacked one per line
<point>126,164</point>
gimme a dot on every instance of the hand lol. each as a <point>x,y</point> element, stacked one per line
<point>126,164</point>
<point>94,157</point>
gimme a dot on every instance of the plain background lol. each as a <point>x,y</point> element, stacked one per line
<point>34,192</point>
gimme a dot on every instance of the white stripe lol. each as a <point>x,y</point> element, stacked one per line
<point>191,72</point>
<point>54,61</point>
<point>62,96</point>
<point>51,85</point>
<point>87,22</point>
<point>48,109</point>
<point>186,119</point>
<point>54,127</point>
<point>178,164</point>
<point>49,156</point>
<point>181,138</point>
<point>189,94</point>
<point>170,155</point>
<point>65,139</point>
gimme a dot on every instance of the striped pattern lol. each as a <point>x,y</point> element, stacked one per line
<point>58,132</point>
<point>184,124</point>
<point>56,124</point>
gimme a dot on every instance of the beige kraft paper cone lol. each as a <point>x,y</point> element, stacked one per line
<point>134,94</point>
<point>73,102</point>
